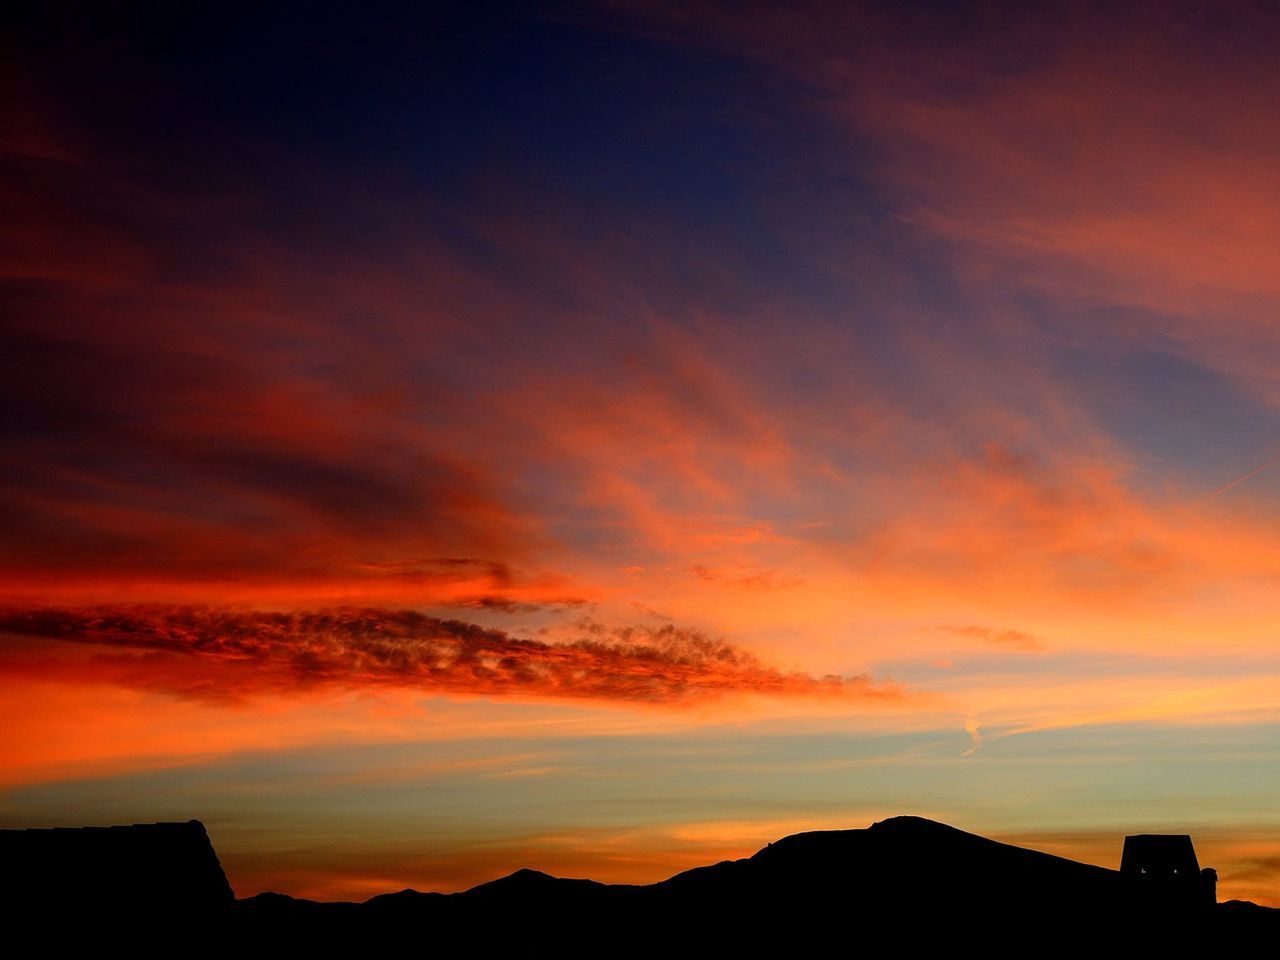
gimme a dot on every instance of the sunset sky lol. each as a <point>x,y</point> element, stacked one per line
<point>606,438</point>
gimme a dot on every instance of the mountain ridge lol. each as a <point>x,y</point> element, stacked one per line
<point>909,827</point>
<point>927,882</point>
<point>805,888</point>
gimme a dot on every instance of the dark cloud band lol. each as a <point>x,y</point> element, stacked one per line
<point>254,651</point>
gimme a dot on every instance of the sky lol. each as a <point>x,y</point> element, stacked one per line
<point>608,437</point>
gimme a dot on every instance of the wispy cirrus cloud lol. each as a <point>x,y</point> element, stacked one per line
<point>211,653</point>
<point>1133,175</point>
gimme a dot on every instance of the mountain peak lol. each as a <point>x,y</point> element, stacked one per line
<point>908,824</point>
<point>523,879</point>
<point>525,875</point>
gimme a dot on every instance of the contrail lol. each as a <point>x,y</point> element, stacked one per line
<point>1252,473</point>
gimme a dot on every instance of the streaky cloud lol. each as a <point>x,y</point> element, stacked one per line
<point>1014,639</point>
<point>181,648</point>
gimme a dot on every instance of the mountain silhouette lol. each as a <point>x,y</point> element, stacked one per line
<point>906,881</point>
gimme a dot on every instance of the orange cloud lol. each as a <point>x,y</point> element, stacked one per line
<point>1014,639</point>
<point>214,654</point>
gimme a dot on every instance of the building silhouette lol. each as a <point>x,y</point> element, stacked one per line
<point>1162,870</point>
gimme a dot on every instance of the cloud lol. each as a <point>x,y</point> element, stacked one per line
<point>1134,174</point>
<point>747,578</point>
<point>213,653</point>
<point>507,605</point>
<point>1261,868</point>
<point>1015,639</point>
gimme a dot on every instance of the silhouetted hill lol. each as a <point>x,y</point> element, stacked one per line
<point>910,855</point>
<point>906,881</point>
<point>921,883</point>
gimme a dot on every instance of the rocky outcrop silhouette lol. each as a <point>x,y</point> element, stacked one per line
<point>117,884</point>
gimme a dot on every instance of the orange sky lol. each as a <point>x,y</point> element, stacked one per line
<point>878,404</point>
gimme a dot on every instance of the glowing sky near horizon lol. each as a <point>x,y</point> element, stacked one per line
<point>608,437</point>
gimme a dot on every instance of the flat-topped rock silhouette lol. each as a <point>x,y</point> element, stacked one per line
<point>117,881</point>
<point>921,881</point>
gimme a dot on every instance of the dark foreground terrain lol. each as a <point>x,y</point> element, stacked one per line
<point>900,886</point>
